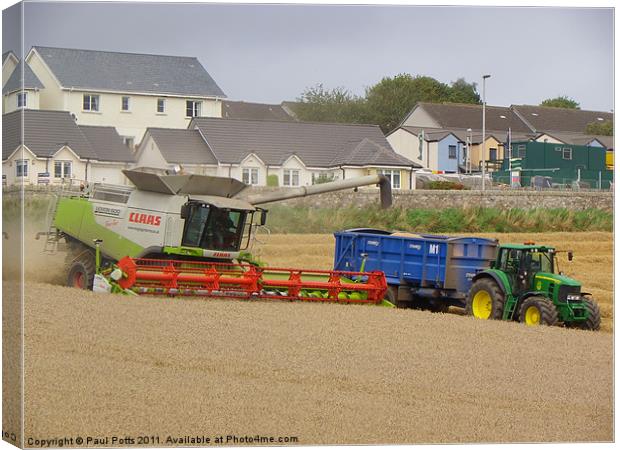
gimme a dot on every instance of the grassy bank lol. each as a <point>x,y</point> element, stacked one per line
<point>450,220</point>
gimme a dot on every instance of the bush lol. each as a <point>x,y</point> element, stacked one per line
<point>272,180</point>
<point>446,185</point>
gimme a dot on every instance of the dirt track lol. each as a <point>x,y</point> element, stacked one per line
<point>113,365</point>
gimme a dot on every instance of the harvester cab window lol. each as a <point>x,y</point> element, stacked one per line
<point>195,224</point>
<point>213,228</point>
<point>223,229</point>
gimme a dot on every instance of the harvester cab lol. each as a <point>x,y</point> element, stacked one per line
<point>523,284</point>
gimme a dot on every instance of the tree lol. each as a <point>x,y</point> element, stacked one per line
<point>392,98</point>
<point>463,92</point>
<point>318,104</point>
<point>604,128</point>
<point>561,102</point>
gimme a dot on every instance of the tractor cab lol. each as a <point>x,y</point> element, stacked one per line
<point>522,263</point>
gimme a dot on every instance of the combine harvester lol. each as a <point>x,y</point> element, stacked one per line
<point>188,235</point>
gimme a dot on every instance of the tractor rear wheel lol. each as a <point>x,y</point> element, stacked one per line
<point>593,322</point>
<point>538,311</point>
<point>81,271</point>
<point>485,300</point>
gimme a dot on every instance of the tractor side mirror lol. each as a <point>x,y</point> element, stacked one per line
<point>263,217</point>
<point>184,211</point>
<point>570,255</point>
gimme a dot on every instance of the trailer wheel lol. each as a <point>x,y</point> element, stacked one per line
<point>485,300</point>
<point>391,295</point>
<point>538,311</point>
<point>593,322</point>
<point>81,271</point>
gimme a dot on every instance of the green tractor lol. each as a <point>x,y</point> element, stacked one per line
<point>522,285</point>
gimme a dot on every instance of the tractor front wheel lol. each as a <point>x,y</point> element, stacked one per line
<point>538,311</point>
<point>593,322</point>
<point>81,271</point>
<point>485,300</point>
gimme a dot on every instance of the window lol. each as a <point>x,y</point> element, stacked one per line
<point>493,154</point>
<point>22,99</point>
<point>62,169</point>
<point>128,141</point>
<point>291,178</point>
<point>91,102</point>
<point>393,175</point>
<point>250,176</point>
<point>452,151</point>
<point>124,103</point>
<point>567,153</point>
<point>192,108</point>
<point>521,151</point>
<point>161,105</point>
<point>21,167</point>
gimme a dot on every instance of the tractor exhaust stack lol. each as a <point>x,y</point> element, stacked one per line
<point>381,180</point>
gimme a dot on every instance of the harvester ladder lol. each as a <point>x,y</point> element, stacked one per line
<point>51,237</point>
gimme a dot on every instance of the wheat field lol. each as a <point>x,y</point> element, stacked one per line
<point>102,365</point>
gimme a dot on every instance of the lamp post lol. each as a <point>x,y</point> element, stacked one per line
<point>468,155</point>
<point>484,120</point>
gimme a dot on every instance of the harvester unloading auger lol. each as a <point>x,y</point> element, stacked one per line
<point>187,235</point>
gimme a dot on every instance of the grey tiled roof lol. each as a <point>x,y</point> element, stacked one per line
<point>254,111</point>
<point>14,83</point>
<point>543,118</point>
<point>316,144</point>
<point>129,72</point>
<point>45,132</point>
<point>457,115</point>
<point>182,146</point>
<point>107,144</point>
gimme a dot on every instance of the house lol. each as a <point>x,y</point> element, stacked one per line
<point>22,89</point>
<point>549,119</point>
<point>465,121</point>
<point>128,91</point>
<point>536,123</point>
<point>563,163</point>
<point>278,153</point>
<point>55,149</point>
<point>434,149</point>
<point>254,111</point>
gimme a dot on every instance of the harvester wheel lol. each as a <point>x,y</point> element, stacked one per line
<point>82,271</point>
<point>593,322</point>
<point>485,300</point>
<point>538,311</point>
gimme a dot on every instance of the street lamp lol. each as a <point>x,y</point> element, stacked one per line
<point>484,123</point>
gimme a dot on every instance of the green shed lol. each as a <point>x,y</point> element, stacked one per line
<point>564,163</point>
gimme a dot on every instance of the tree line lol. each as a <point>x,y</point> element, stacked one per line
<point>388,102</point>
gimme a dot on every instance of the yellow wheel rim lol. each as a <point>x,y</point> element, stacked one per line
<point>532,316</point>
<point>482,305</point>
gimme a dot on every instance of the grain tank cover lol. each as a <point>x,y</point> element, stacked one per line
<point>190,184</point>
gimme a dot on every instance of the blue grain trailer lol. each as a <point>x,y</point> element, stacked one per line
<point>423,270</point>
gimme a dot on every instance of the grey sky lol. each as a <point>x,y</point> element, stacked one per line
<point>271,53</point>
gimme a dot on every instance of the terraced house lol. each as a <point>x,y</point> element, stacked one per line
<point>128,91</point>
<point>276,153</point>
<point>54,149</point>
